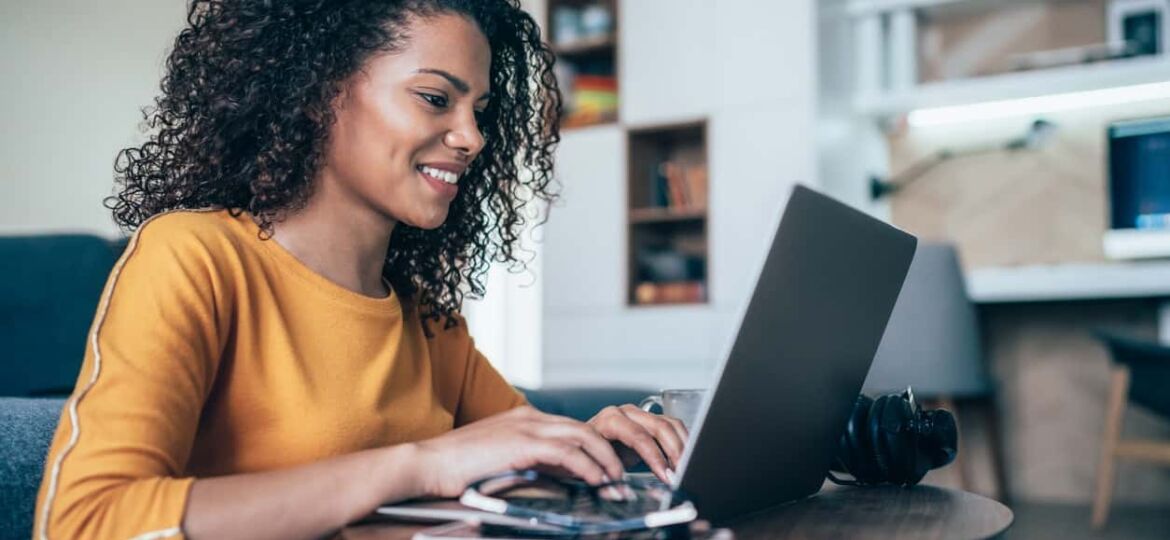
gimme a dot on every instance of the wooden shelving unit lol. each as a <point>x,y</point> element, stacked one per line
<point>1025,84</point>
<point>893,78</point>
<point>584,36</point>
<point>666,170</point>
<point>667,192</point>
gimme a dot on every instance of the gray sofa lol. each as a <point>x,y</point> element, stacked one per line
<point>47,301</point>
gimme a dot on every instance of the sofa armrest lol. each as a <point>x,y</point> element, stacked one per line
<point>26,428</point>
<point>582,403</point>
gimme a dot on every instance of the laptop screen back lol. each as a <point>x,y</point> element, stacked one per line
<point>805,343</point>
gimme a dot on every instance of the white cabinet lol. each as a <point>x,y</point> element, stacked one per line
<point>758,152</point>
<point>666,60</point>
<point>584,239</point>
<point>763,52</point>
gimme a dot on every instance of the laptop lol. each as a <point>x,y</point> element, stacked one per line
<point>768,431</point>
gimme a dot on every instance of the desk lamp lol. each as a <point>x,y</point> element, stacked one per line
<point>1038,134</point>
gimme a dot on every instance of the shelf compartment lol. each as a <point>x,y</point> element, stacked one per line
<point>587,58</point>
<point>667,182</point>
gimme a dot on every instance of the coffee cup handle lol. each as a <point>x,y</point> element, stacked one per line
<point>650,402</point>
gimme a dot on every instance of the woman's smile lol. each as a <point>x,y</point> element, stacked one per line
<point>443,177</point>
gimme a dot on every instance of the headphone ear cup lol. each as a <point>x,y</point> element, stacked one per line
<point>879,454</point>
<point>856,451</point>
<point>921,466</point>
<point>894,441</point>
<point>902,416</point>
<point>940,442</point>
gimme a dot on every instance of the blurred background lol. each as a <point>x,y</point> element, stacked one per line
<point>1026,141</point>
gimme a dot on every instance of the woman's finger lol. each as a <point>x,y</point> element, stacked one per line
<point>569,457</point>
<point>680,428</point>
<point>662,431</point>
<point>589,440</point>
<point>615,425</point>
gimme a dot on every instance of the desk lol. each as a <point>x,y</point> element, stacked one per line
<point>1085,281</point>
<point>1061,282</point>
<point>925,512</point>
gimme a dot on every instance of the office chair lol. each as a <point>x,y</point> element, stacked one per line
<point>1140,373</point>
<point>933,345</point>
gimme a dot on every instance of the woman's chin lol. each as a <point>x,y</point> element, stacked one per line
<point>428,223</point>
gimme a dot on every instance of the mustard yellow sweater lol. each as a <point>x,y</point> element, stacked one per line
<point>213,353</point>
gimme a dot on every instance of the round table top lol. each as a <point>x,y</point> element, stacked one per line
<point>881,512</point>
<point>835,512</point>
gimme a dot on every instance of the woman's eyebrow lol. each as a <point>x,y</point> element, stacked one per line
<point>458,83</point>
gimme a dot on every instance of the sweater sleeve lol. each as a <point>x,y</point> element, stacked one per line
<point>484,392</point>
<point>115,464</point>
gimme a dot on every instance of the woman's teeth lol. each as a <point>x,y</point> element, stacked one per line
<point>446,176</point>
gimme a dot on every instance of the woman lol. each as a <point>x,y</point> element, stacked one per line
<point>278,352</point>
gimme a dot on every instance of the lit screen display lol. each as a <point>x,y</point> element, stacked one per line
<point>1139,174</point>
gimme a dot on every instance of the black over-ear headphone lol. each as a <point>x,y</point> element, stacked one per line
<point>891,440</point>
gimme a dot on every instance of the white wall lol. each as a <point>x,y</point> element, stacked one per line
<point>76,74</point>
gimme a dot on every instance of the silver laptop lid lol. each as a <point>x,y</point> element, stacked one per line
<point>768,431</point>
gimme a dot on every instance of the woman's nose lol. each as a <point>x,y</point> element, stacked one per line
<point>465,136</point>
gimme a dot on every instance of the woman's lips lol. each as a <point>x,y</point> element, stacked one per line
<point>449,191</point>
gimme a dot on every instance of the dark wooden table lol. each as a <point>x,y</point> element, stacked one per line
<point>925,512</point>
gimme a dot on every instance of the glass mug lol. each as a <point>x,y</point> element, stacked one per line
<point>683,404</point>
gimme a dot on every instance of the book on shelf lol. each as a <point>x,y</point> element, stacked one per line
<point>595,100</point>
<point>588,117</point>
<point>679,197</point>
<point>679,185</point>
<point>671,292</point>
<point>696,181</point>
<point>592,99</point>
<point>597,83</point>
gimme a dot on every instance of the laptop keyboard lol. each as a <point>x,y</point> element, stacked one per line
<point>584,506</point>
<point>648,479</point>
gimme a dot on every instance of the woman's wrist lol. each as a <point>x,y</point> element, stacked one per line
<point>403,473</point>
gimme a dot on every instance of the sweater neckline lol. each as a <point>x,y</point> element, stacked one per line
<point>287,261</point>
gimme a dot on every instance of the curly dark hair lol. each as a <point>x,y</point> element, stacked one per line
<point>246,109</point>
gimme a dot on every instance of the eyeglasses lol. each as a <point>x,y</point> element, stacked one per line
<point>577,507</point>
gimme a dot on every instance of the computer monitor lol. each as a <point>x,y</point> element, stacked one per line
<point>1139,189</point>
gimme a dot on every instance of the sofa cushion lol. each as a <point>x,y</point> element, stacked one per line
<point>26,428</point>
<point>49,289</point>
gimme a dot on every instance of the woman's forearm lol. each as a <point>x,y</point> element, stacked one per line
<point>309,501</point>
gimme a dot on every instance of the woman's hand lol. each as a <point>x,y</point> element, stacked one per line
<point>657,440</point>
<point>522,438</point>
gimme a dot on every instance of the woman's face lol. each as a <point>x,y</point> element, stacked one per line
<point>406,127</point>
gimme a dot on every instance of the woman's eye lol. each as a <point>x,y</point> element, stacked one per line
<point>435,100</point>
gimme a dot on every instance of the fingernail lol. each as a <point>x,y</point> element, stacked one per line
<point>610,492</point>
<point>670,476</point>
